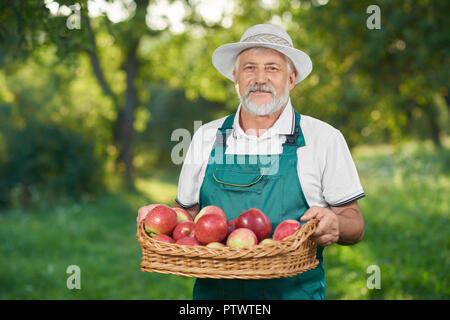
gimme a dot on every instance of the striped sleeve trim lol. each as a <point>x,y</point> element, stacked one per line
<point>359,196</point>
<point>184,206</point>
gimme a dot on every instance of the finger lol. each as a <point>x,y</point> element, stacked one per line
<point>325,240</point>
<point>310,213</point>
<point>320,240</point>
<point>322,225</point>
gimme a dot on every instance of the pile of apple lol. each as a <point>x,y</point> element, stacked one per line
<point>211,228</point>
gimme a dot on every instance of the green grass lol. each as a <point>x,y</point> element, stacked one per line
<point>406,211</point>
<point>38,246</point>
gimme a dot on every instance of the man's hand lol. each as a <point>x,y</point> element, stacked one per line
<point>327,231</point>
<point>142,212</point>
<point>343,224</point>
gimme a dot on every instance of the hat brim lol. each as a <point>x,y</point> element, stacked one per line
<point>224,58</point>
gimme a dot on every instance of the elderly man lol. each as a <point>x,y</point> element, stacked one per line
<point>310,174</point>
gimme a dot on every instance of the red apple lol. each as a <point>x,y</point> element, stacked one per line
<point>267,241</point>
<point>242,237</point>
<point>160,220</point>
<point>285,229</point>
<point>255,220</point>
<point>189,241</point>
<point>215,245</point>
<point>183,229</point>
<point>231,226</point>
<point>210,209</point>
<point>182,215</point>
<point>211,228</point>
<point>163,238</point>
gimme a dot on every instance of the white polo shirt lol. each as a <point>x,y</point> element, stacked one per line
<point>325,167</point>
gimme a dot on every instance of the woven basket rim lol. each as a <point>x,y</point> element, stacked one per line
<point>281,247</point>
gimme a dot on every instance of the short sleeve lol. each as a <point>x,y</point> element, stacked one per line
<point>194,165</point>
<point>188,181</point>
<point>340,180</point>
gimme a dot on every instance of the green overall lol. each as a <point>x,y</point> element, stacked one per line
<point>270,183</point>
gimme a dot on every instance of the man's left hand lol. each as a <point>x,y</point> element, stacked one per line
<point>327,231</point>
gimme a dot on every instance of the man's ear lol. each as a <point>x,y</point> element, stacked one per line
<point>292,78</point>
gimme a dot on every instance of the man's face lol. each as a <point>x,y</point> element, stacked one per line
<point>263,68</point>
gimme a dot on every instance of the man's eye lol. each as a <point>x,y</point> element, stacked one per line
<point>272,68</point>
<point>249,68</point>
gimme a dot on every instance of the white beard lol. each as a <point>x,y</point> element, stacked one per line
<point>267,108</point>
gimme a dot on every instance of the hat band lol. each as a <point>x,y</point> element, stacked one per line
<point>268,38</point>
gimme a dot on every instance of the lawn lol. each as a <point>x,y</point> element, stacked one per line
<point>406,212</point>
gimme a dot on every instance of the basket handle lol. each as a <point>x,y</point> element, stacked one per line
<point>310,227</point>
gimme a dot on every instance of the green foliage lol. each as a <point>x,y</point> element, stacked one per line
<point>387,77</point>
<point>170,110</point>
<point>376,86</point>
<point>26,26</point>
<point>44,161</point>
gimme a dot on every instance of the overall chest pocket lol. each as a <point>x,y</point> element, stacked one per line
<point>239,180</point>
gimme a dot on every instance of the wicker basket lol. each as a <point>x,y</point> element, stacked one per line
<point>288,257</point>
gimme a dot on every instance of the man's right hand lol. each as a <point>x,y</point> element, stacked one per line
<point>142,212</point>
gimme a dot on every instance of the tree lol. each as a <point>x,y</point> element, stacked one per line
<point>374,85</point>
<point>405,63</point>
<point>29,26</point>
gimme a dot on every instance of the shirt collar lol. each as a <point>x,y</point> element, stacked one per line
<point>284,125</point>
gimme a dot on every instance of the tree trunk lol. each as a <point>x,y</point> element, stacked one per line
<point>435,132</point>
<point>92,52</point>
<point>123,131</point>
<point>445,93</point>
<point>432,119</point>
<point>125,119</point>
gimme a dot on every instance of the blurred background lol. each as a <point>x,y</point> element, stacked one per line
<point>91,91</point>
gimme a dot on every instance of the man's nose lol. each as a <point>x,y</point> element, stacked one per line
<point>261,76</point>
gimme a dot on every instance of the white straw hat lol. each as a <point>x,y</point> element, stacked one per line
<point>261,35</point>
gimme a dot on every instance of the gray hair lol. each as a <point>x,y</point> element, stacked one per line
<point>290,64</point>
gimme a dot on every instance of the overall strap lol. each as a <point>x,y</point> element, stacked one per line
<point>224,131</point>
<point>296,139</point>
<point>293,141</point>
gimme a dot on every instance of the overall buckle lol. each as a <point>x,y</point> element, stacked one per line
<point>291,139</point>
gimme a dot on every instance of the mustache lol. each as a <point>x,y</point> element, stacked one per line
<point>260,87</point>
